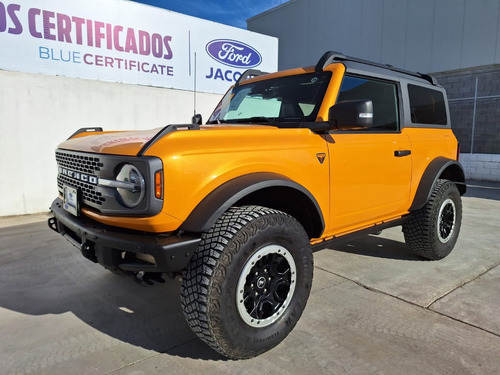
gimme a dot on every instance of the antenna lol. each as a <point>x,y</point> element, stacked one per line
<point>194,92</point>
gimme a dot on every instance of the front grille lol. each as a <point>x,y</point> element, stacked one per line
<point>83,171</point>
<point>89,193</point>
<point>79,163</point>
<point>87,164</point>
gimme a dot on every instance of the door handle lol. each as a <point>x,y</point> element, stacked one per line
<point>401,153</point>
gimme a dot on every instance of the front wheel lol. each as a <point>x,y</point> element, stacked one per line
<point>248,283</point>
<point>432,231</point>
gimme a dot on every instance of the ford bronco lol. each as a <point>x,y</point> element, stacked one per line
<point>287,164</point>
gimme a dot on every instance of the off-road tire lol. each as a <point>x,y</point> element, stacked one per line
<point>248,248</point>
<point>432,231</point>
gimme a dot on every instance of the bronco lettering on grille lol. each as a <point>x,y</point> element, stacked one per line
<point>78,176</point>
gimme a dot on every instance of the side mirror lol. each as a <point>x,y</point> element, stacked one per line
<point>196,119</point>
<point>351,114</point>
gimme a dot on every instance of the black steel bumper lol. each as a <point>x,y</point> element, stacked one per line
<point>118,250</point>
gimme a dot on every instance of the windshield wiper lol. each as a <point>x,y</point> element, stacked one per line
<point>217,122</point>
<point>270,120</point>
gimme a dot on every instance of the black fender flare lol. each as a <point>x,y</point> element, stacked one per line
<point>438,168</point>
<point>206,213</point>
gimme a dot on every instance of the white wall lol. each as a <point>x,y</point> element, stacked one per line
<point>37,112</point>
<point>482,167</point>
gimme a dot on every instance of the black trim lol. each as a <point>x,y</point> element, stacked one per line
<point>100,243</point>
<point>166,130</point>
<point>327,58</point>
<point>100,197</point>
<point>401,153</point>
<point>438,168</point>
<point>314,126</point>
<point>225,196</point>
<point>249,73</point>
<point>86,130</point>
<point>340,240</point>
<point>331,56</point>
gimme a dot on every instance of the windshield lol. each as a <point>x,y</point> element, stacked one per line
<point>290,98</point>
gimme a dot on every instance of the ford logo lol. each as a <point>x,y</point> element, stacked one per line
<point>233,53</point>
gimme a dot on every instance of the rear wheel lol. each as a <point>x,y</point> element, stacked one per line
<point>248,284</point>
<point>432,231</point>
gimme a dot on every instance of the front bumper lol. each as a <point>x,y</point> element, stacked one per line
<point>123,250</point>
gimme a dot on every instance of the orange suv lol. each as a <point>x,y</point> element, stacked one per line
<point>287,163</point>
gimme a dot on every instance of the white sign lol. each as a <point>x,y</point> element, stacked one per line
<point>122,41</point>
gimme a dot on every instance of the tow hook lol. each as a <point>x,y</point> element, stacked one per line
<point>88,251</point>
<point>148,278</point>
<point>53,224</point>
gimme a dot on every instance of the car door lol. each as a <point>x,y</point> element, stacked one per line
<point>370,168</point>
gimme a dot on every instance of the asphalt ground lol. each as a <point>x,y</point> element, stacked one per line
<point>374,309</point>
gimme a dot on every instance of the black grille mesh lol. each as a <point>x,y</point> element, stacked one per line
<point>84,164</point>
<point>79,163</point>
<point>88,190</point>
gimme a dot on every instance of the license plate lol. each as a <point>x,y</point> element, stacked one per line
<point>70,201</point>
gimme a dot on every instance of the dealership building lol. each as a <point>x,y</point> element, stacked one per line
<point>457,41</point>
<point>121,65</point>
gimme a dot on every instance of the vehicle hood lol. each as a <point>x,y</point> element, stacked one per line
<point>115,143</point>
<point>130,143</point>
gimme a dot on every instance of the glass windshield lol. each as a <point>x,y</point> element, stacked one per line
<point>290,98</point>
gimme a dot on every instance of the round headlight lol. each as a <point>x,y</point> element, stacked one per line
<point>134,194</point>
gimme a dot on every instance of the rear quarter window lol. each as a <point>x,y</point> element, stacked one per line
<point>427,106</point>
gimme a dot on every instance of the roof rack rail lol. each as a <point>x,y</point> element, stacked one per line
<point>249,73</point>
<point>330,56</point>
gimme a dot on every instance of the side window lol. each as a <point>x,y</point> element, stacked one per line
<point>427,106</point>
<point>383,96</point>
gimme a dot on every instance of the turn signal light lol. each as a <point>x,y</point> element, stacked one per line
<point>159,184</point>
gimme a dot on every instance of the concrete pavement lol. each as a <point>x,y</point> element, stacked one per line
<point>374,309</point>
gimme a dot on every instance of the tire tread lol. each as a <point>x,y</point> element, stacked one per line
<point>202,280</point>
<point>418,230</point>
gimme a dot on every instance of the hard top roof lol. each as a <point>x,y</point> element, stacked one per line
<point>354,63</point>
<point>332,56</point>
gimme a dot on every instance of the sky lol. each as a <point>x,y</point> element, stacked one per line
<point>229,12</point>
